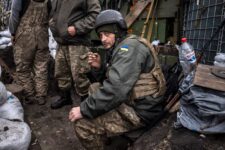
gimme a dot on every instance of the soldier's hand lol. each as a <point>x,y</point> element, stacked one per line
<point>94,60</point>
<point>75,114</point>
<point>71,30</point>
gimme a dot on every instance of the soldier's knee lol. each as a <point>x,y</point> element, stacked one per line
<point>23,67</point>
<point>82,129</point>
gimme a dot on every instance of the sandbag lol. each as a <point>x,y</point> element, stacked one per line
<point>14,135</point>
<point>12,108</point>
<point>203,110</point>
<point>5,40</point>
<point>52,44</point>
<point>3,94</point>
<point>3,46</point>
<point>5,33</point>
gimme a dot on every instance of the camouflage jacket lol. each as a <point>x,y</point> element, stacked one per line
<point>129,59</point>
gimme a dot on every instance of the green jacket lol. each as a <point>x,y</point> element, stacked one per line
<point>79,13</point>
<point>129,59</point>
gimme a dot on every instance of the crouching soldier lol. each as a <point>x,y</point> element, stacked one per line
<point>132,89</point>
<point>28,25</point>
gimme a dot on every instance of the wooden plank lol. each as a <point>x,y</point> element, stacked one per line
<point>175,107</point>
<point>151,26</point>
<point>136,11</point>
<point>147,19</point>
<point>204,78</point>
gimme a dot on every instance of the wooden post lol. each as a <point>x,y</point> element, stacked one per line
<point>149,35</point>
<point>147,19</point>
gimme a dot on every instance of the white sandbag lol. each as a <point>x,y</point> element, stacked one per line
<point>14,135</point>
<point>220,57</point>
<point>10,44</point>
<point>53,53</point>
<point>155,42</point>
<point>3,93</point>
<point>4,40</point>
<point>52,44</point>
<point>12,108</point>
<point>3,46</point>
<point>5,33</point>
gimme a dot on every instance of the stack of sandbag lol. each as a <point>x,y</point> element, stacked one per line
<point>15,134</point>
<point>5,39</point>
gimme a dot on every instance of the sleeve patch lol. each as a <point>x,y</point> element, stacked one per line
<point>124,48</point>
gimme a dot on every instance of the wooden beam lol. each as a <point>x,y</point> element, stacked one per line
<point>151,26</point>
<point>136,11</point>
<point>147,19</point>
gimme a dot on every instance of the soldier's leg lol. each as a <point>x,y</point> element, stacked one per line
<point>79,68</point>
<point>93,133</point>
<point>24,50</point>
<point>41,66</point>
<point>63,76</point>
<point>62,69</point>
<point>41,73</point>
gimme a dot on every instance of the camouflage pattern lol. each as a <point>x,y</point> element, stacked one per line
<point>111,110</point>
<point>5,6</point>
<point>71,64</point>
<point>31,51</point>
<point>93,133</point>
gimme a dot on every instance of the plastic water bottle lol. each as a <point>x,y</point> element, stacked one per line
<point>187,57</point>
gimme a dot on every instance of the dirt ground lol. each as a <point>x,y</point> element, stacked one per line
<point>51,130</point>
<point>164,137</point>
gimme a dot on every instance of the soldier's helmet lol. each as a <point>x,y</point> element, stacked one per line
<point>110,17</point>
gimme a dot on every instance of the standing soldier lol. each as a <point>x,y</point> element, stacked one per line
<point>132,88</point>
<point>71,22</point>
<point>28,25</point>
<point>5,6</point>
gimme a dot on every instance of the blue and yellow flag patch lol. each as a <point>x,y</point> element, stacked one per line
<point>124,48</point>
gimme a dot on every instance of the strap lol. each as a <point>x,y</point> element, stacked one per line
<point>25,4</point>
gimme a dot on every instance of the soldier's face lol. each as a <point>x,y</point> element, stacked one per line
<point>107,39</point>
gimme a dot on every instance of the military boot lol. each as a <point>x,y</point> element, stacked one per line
<point>41,100</point>
<point>65,99</point>
<point>29,100</point>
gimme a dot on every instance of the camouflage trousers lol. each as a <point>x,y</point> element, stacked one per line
<point>93,133</point>
<point>31,56</point>
<point>71,66</point>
